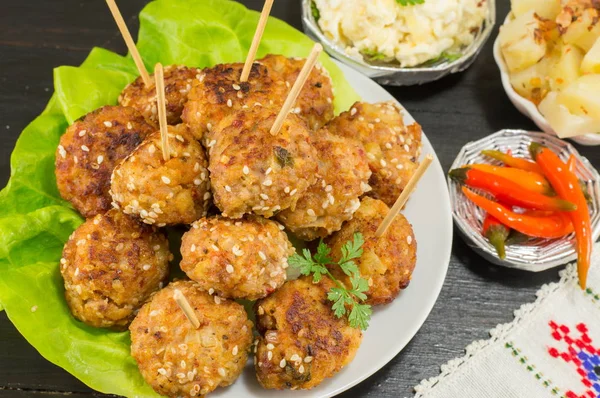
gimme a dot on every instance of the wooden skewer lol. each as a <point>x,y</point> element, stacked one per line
<point>186,308</point>
<point>129,41</point>
<point>295,91</point>
<point>260,28</point>
<point>162,109</point>
<point>403,197</point>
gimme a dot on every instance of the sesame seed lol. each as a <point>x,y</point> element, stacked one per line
<point>108,124</point>
<point>222,372</point>
<point>353,111</point>
<point>235,350</point>
<point>206,196</point>
<point>311,212</point>
<point>268,183</point>
<point>85,148</point>
<point>399,166</point>
<point>162,371</point>
<point>270,346</point>
<point>301,369</point>
<point>212,143</point>
<point>229,268</point>
<point>62,152</point>
<point>197,167</point>
<point>328,188</point>
<point>129,126</point>
<point>227,188</point>
<point>398,180</point>
<point>229,103</point>
<point>262,255</point>
<point>237,251</point>
<point>214,247</point>
<point>165,179</point>
<point>383,163</point>
<point>261,310</point>
<point>377,120</point>
<point>146,267</point>
<point>211,291</point>
<point>34,308</point>
<point>100,159</point>
<point>308,359</point>
<point>197,181</point>
<point>406,148</point>
<point>246,170</point>
<point>236,87</point>
<point>264,196</point>
<point>269,170</point>
<point>217,299</point>
<point>269,355</point>
<point>282,363</point>
<point>293,192</point>
<point>286,190</point>
<point>82,133</point>
<point>179,138</point>
<point>409,239</point>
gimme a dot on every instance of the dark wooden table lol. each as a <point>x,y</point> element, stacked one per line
<point>38,35</point>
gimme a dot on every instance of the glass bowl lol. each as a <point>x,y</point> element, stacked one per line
<point>535,254</point>
<point>388,74</point>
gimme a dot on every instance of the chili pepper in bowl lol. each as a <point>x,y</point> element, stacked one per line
<point>508,191</point>
<point>566,184</point>
<point>527,179</point>
<point>496,233</point>
<point>512,161</point>
<point>552,226</point>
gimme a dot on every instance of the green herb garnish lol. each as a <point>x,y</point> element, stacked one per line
<point>342,297</point>
<point>315,11</point>
<point>409,2</point>
<point>373,55</point>
<point>283,156</point>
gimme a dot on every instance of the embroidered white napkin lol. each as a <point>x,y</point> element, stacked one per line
<point>551,349</point>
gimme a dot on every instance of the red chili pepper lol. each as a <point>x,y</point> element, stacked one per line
<point>512,161</point>
<point>567,186</point>
<point>496,233</point>
<point>527,179</point>
<point>507,191</point>
<point>553,226</point>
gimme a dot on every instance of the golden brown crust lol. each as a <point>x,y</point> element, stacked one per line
<point>254,171</point>
<point>387,262</point>
<point>164,193</point>
<point>243,258</point>
<point>178,83</point>
<point>392,148</point>
<point>301,342</point>
<point>342,178</point>
<point>110,266</point>
<point>88,152</point>
<point>178,360</point>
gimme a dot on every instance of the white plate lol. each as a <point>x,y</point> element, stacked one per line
<point>394,325</point>
<point>527,107</point>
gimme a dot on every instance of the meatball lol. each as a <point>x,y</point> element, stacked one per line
<point>159,192</point>
<point>110,265</point>
<point>392,147</point>
<point>217,92</point>
<point>178,360</point>
<point>301,341</point>
<point>315,101</point>
<point>88,152</point>
<point>387,262</point>
<point>246,258</point>
<point>178,83</point>
<point>252,170</point>
<point>342,178</point>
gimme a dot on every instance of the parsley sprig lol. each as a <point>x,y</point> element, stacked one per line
<point>341,296</point>
<point>409,2</point>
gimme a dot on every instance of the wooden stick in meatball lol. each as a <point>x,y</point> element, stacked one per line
<point>187,309</point>
<point>401,201</point>
<point>129,41</point>
<point>260,28</point>
<point>298,84</point>
<point>162,109</point>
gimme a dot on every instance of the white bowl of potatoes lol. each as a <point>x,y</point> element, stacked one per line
<point>549,58</point>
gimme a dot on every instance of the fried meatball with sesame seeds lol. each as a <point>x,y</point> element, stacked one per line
<point>178,83</point>
<point>111,264</point>
<point>217,92</point>
<point>315,101</point>
<point>164,193</point>
<point>392,148</point>
<point>253,171</point>
<point>241,259</point>
<point>88,152</point>
<point>342,179</point>
<point>178,360</point>
<point>301,341</point>
<point>387,262</point>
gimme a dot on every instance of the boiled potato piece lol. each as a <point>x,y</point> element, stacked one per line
<point>591,61</point>
<point>584,31</point>
<point>521,46</point>
<point>567,69</point>
<point>582,97</point>
<point>563,122</point>
<point>548,9</point>
<point>531,83</point>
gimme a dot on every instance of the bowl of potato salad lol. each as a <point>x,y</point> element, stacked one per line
<point>549,57</point>
<point>401,42</point>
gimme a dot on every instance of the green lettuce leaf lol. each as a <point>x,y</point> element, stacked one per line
<point>35,221</point>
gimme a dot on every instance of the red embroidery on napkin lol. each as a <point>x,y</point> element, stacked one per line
<point>582,354</point>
